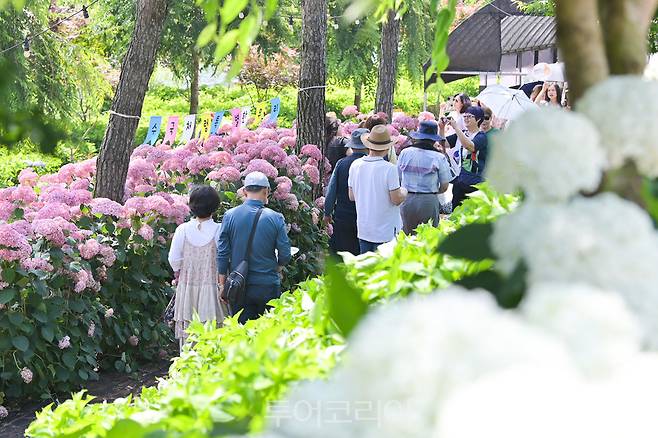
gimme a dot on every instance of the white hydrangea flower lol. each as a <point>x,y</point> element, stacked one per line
<point>509,232</point>
<point>406,358</point>
<point>550,154</point>
<point>603,241</point>
<point>626,132</point>
<point>596,325</point>
<point>524,402</point>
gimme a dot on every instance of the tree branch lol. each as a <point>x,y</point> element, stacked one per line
<point>626,24</point>
<point>581,42</point>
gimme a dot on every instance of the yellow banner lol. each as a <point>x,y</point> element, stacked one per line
<point>204,128</point>
<point>259,112</point>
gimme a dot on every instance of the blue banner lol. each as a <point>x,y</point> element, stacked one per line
<point>154,130</point>
<point>216,122</point>
<point>276,107</point>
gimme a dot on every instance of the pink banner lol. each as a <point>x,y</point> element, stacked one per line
<point>236,113</point>
<point>171,130</point>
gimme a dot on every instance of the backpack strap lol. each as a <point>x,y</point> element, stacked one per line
<point>253,231</point>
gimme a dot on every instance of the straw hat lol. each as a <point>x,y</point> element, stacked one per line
<point>379,139</point>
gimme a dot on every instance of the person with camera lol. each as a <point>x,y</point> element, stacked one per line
<point>262,280</point>
<point>472,144</point>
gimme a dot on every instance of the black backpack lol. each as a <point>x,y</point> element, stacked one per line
<point>236,282</point>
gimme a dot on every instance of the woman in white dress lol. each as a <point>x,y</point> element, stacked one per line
<point>193,257</point>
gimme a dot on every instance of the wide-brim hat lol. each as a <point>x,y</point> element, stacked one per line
<point>355,142</point>
<point>427,130</point>
<point>378,139</point>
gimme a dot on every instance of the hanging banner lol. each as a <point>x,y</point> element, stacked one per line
<point>204,125</point>
<point>244,117</point>
<point>171,130</point>
<point>236,113</point>
<point>216,122</point>
<point>260,109</point>
<point>188,128</point>
<point>154,130</point>
<point>276,107</point>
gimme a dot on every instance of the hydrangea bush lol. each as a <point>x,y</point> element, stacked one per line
<point>83,281</point>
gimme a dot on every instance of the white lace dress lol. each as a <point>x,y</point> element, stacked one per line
<point>197,290</point>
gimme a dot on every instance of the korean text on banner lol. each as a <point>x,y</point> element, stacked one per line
<point>260,108</point>
<point>171,130</point>
<point>188,128</point>
<point>204,131</point>
<point>236,113</point>
<point>154,130</point>
<point>216,122</point>
<point>276,108</point>
<point>244,117</point>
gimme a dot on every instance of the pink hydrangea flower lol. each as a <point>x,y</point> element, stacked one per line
<point>312,151</point>
<point>146,232</point>
<point>80,184</point>
<point>200,163</point>
<point>225,174</point>
<point>211,143</point>
<point>53,229</point>
<point>15,246</point>
<point>28,177</point>
<point>295,228</point>
<point>315,216</point>
<point>140,169</point>
<point>292,202</point>
<point>274,154</point>
<point>133,340</point>
<point>312,172</point>
<point>330,230</point>
<point>32,264</point>
<point>23,194</point>
<point>319,203</point>
<point>143,188</point>
<point>52,210</point>
<point>109,313</point>
<point>107,207</point>
<point>64,343</point>
<point>89,249</point>
<point>108,257</point>
<point>293,165</point>
<point>260,165</point>
<point>221,157</point>
<point>287,142</point>
<point>82,280</point>
<point>92,329</point>
<point>26,375</point>
<point>350,111</point>
<point>4,413</point>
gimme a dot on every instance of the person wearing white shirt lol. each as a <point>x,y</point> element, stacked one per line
<point>193,257</point>
<point>374,186</point>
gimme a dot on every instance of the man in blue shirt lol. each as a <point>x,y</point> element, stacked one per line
<point>337,205</point>
<point>263,281</point>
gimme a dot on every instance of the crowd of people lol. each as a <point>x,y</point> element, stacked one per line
<point>372,195</point>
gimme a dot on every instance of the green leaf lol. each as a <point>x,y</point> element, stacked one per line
<point>346,306</point>
<point>16,318</point>
<point>469,242</point>
<point>206,34</point>
<point>20,342</point>
<point>69,360</point>
<point>226,44</point>
<point>126,428</point>
<point>83,374</point>
<point>9,275</point>
<point>48,333</point>
<point>7,295</point>
<point>40,316</point>
<point>232,9</point>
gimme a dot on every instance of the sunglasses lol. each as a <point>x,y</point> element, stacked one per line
<point>468,116</point>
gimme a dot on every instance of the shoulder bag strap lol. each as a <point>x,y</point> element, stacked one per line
<point>253,231</point>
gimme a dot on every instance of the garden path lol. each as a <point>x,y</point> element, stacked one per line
<point>110,386</point>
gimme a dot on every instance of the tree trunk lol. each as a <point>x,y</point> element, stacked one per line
<point>194,83</point>
<point>388,61</point>
<point>358,86</point>
<point>581,40</point>
<point>626,24</point>
<point>136,69</point>
<point>312,74</point>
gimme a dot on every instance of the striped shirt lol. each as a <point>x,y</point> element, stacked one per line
<point>423,171</point>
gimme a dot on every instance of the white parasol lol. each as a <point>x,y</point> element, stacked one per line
<point>505,103</point>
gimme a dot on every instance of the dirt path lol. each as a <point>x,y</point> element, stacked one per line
<point>110,386</point>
